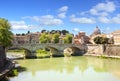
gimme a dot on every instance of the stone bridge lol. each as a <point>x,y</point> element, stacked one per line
<point>55,49</point>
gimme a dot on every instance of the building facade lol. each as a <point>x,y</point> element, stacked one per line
<point>81,38</point>
<point>116,37</point>
<point>28,38</point>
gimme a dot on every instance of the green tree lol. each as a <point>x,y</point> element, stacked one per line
<point>55,38</point>
<point>68,38</point>
<point>64,32</point>
<point>45,38</point>
<point>5,33</point>
<point>101,40</point>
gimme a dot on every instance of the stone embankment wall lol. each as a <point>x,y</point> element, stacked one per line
<point>2,56</point>
<point>94,49</point>
<point>110,50</point>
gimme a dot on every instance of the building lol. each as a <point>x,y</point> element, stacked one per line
<point>81,38</point>
<point>27,38</point>
<point>116,37</point>
<point>33,37</point>
<point>19,39</point>
<point>96,31</point>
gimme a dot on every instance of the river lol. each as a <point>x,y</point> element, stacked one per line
<point>81,68</point>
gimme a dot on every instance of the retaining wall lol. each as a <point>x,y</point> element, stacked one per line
<point>110,50</point>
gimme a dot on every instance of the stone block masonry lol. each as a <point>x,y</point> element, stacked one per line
<point>107,50</point>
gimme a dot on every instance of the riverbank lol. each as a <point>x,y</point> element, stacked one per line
<point>102,55</point>
<point>6,68</point>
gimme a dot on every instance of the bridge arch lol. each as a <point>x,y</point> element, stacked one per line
<point>73,51</point>
<point>27,52</point>
<point>55,51</point>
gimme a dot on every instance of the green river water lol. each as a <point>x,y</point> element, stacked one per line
<point>81,68</point>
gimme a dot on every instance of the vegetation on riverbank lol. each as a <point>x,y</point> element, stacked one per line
<point>15,71</point>
<point>42,53</point>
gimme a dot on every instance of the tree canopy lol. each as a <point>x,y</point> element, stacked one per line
<point>55,38</point>
<point>5,33</point>
<point>101,40</point>
<point>68,38</point>
<point>45,38</point>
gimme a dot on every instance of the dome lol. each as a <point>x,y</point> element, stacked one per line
<point>97,31</point>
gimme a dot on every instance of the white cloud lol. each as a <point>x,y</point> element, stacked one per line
<point>47,20</point>
<point>101,9</point>
<point>93,12</point>
<point>102,13</point>
<point>20,25</point>
<point>107,7</point>
<point>62,15</point>
<point>50,20</point>
<point>63,9</point>
<point>116,19</point>
<point>80,20</point>
<point>76,29</point>
<point>104,20</point>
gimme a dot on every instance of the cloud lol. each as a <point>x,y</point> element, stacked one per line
<point>115,19</point>
<point>62,12</point>
<point>107,7</point>
<point>47,20</point>
<point>102,13</point>
<point>81,20</point>
<point>35,18</point>
<point>101,9</point>
<point>62,15</point>
<point>63,9</point>
<point>20,25</point>
<point>104,20</point>
<point>76,29</point>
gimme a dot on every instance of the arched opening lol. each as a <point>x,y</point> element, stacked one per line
<point>17,52</point>
<point>55,52</point>
<point>42,52</point>
<point>73,51</point>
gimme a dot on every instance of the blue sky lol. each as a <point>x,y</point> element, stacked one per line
<point>71,15</point>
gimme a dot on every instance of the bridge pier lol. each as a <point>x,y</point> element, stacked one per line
<point>30,54</point>
<point>57,54</point>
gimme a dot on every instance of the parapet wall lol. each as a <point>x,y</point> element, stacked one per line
<point>110,50</point>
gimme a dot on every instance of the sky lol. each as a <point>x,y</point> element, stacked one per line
<point>71,15</point>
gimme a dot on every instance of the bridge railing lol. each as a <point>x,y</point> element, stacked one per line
<point>28,44</point>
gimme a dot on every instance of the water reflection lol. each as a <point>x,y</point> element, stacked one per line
<point>69,69</point>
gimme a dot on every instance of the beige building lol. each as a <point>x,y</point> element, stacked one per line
<point>33,37</point>
<point>116,37</point>
<point>28,38</point>
<point>19,39</point>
